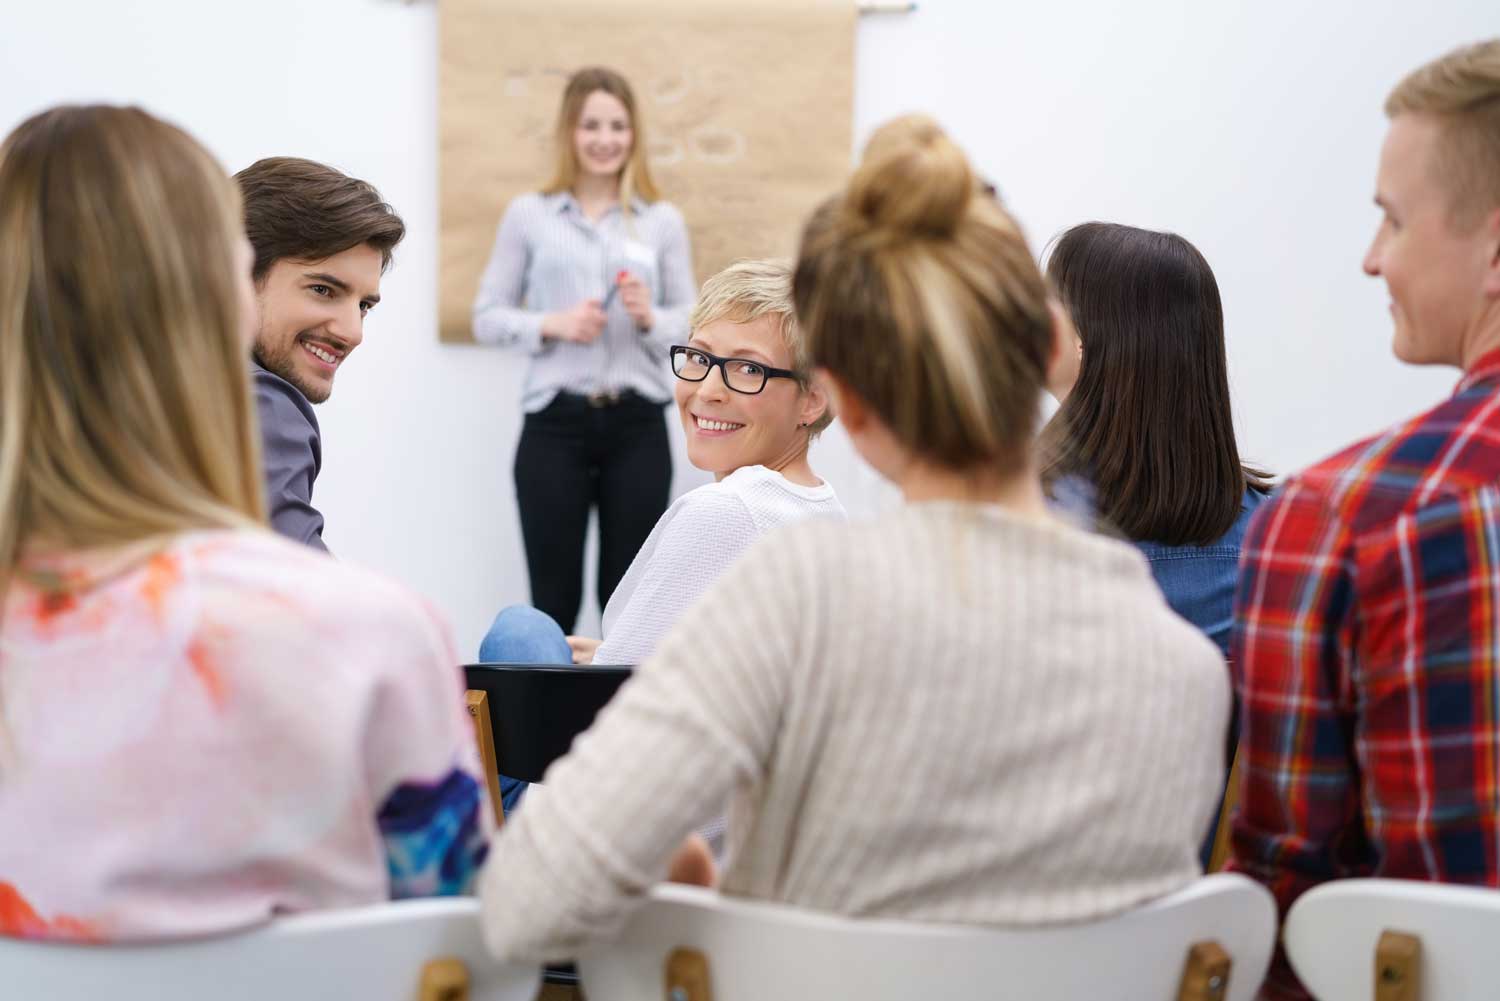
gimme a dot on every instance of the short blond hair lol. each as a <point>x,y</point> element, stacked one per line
<point>1461,90</point>
<point>749,289</point>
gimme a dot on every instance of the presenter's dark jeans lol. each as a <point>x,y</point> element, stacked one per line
<point>575,455</point>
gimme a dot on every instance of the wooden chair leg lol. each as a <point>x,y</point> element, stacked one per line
<point>1219,854</point>
<point>1205,976</point>
<point>479,715</point>
<point>445,979</point>
<point>1398,967</point>
<point>687,976</point>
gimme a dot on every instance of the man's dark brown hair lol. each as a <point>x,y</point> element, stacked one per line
<point>307,211</point>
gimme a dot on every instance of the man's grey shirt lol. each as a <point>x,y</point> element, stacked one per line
<point>292,451</point>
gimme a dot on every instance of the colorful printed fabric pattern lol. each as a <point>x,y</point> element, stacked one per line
<point>1368,661</point>
<point>201,735</point>
<point>434,844</point>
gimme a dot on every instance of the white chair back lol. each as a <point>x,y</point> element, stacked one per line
<point>759,952</point>
<point>1333,931</point>
<point>370,953</point>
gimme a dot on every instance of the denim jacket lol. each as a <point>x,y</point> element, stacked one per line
<point>1199,581</point>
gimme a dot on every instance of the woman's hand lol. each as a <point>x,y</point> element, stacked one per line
<point>582,324</point>
<point>693,863</point>
<point>583,649</point>
<point>635,296</point>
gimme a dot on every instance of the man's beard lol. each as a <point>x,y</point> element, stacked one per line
<point>283,363</point>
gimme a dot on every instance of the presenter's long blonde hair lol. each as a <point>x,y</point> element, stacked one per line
<point>635,177</point>
<point>125,407</point>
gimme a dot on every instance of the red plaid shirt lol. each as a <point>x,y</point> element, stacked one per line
<point>1368,662</point>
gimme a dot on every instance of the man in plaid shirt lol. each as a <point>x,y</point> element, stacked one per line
<point>1367,640</point>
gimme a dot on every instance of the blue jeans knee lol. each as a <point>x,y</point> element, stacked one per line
<point>521,634</point>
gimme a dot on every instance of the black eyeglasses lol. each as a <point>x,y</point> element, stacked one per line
<point>740,374</point>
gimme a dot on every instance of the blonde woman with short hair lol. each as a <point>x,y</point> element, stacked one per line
<point>749,415</point>
<point>204,725</point>
<point>749,410</point>
<point>959,711</point>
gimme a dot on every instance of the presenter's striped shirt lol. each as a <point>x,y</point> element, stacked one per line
<point>549,256</point>
<point>1367,654</point>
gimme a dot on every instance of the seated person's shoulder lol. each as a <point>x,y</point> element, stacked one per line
<point>832,548</point>
<point>1366,486</point>
<point>1323,478</point>
<point>710,503</point>
<point>1114,590</point>
<point>280,403</point>
<point>271,583</point>
<point>741,500</point>
<point>716,522</point>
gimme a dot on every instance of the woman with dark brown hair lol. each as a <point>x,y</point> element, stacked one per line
<point>592,278</point>
<point>1144,440</point>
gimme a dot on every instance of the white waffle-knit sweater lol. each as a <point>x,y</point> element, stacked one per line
<point>948,713</point>
<point>697,539</point>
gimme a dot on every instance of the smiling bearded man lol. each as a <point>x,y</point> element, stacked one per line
<point>322,240</point>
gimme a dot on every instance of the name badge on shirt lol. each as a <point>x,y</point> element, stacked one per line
<point>637,252</point>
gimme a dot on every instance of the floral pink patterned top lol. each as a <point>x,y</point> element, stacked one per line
<point>199,736</point>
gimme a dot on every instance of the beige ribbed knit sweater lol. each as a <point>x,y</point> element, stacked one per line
<point>948,713</point>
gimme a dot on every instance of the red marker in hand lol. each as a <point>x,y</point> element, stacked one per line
<point>609,296</point>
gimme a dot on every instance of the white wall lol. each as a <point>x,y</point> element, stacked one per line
<point>1250,127</point>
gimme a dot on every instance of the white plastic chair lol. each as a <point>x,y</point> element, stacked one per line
<point>379,953</point>
<point>1333,934</point>
<point>691,939</point>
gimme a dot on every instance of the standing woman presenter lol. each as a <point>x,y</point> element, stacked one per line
<point>592,277</point>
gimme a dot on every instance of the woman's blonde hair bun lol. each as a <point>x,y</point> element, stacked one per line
<point>912,181</point>
<point>919,294</point>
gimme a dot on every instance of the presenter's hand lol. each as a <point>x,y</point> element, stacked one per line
<point>583,649</point>
<point>635,296</point>
<point>583,323</point>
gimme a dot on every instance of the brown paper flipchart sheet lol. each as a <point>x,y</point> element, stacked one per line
<point>747,109</point>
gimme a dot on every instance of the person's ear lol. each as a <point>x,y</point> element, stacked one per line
<point>1492,269</point>
<point>815,403</point>
<point>1067,351</point>
<point>852,411</point>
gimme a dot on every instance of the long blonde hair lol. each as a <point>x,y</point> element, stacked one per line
<point>635,177</point>
<point>125,407</point>
<point>919,292</point>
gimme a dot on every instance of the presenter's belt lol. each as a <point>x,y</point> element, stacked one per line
<point>609,398</point>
